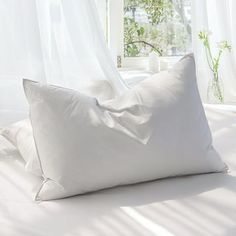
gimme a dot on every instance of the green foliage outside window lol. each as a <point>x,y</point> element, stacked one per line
<point>162,26</point>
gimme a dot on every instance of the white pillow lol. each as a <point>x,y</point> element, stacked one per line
<point>20,135</point>
<point>157,129</point>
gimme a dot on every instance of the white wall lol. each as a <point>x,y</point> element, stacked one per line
<point>102,10</point>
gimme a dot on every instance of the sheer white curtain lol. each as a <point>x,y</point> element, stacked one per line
<point>217,16</point>
<point>55,41</point>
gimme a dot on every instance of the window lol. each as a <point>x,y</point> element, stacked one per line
<point>134,28</point>
<point>163,26</point>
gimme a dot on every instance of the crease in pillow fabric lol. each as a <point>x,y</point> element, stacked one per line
<point>156,130</point>
<point>20,134</point>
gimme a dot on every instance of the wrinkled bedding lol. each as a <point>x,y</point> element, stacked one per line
<point>193,205</point>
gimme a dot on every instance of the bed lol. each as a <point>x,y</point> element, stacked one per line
<point>192,205</point>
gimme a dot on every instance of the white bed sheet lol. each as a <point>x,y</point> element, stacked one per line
<point>193,205</point>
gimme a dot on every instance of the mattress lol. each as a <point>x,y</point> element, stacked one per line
<point>193,205</point>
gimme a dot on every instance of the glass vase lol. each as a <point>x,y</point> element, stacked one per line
<point>215,90</point>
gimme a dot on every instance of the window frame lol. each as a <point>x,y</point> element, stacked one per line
<point>115,38</point>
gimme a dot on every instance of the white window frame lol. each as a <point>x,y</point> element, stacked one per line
<point>102,6</point>
<point>115,28</point>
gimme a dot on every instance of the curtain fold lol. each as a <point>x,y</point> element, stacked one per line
<point>219,18</point>
<point>55,41</point>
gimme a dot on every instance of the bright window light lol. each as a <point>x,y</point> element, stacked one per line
<point>163,26</point>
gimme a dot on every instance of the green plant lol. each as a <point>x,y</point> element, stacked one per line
<point>165,28</point>
<point>214,61</point>
<point>135,34</point>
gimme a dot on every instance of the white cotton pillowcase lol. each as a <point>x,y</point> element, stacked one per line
<point>157,129</point>
<point>20,135</point>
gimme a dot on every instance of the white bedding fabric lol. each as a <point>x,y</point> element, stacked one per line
<point>20,135</point>
<point>145,134</point>
<point>194,205</point>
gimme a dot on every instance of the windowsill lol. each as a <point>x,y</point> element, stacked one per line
<point>143,62</point>
<point>136,69</point>
<point>222,107</point>
<point>133,76</point>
